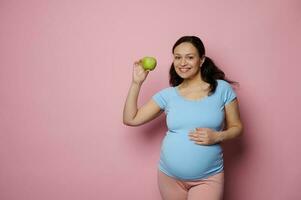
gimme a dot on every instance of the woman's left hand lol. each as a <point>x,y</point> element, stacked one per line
<point>203,136</point>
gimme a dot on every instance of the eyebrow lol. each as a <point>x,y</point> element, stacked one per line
<point>186,54</point>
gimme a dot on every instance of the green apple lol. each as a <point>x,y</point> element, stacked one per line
<point>148,63</point>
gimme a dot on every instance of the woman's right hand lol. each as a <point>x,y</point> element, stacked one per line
<point>139,74</point>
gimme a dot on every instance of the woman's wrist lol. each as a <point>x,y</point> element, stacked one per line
<point>228,134</point>
<point>136,83</point>
<point>220,136</point>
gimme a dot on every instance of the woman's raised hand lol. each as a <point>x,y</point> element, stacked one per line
<point>139,74</point>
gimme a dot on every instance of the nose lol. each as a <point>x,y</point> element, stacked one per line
<point>183,62</point>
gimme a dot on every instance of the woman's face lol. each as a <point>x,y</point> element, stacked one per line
<point>186,60</point>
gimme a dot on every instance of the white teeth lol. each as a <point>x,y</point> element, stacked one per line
<point>184,69</point>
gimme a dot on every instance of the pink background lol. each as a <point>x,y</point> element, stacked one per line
<point>65,70</point>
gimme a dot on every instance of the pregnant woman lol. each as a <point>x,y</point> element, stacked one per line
<point>201,111</point>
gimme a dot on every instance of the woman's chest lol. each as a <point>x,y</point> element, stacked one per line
<point>208,113</point>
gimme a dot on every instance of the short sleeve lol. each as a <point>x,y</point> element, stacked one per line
<point>229,93</point>
<point>160,98</point>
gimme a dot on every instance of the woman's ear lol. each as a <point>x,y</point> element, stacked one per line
<point>203,59</point>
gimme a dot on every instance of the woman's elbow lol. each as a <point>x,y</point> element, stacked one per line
<point>129,123</point>
<point>126,122</point>
<point>241,130</point>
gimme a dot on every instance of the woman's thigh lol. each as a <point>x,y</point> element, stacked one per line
<point>211,188</point>
<point>171,189</point>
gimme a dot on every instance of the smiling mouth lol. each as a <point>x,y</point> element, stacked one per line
<point>184,69</point>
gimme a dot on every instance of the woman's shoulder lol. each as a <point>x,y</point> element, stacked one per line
<point>166,90</point>
<point>223,84</point>
<point>226,90</point>
<point>164,95</point>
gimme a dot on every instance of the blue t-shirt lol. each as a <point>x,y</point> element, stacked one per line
<point>180,157</point>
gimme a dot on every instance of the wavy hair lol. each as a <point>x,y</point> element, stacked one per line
<point>209,71</point>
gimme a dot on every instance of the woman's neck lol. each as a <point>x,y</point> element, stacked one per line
<point>195,82</point>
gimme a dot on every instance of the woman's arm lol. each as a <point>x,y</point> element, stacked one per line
<point>132,116</point>
<point>234,127</point>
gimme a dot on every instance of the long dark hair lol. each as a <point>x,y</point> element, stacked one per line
<point>209,71</point>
